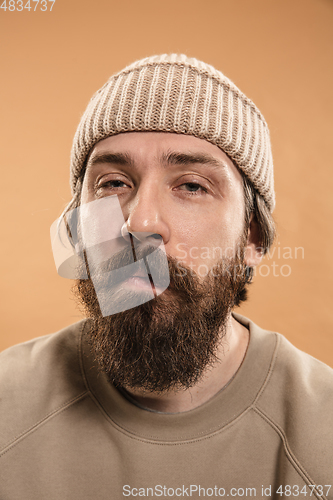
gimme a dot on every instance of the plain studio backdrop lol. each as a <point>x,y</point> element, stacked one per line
<point>278,52</point>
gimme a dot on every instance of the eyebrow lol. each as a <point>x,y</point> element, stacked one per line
<point>170,158</point>
<point>174,158</point>
<point>115,158</point>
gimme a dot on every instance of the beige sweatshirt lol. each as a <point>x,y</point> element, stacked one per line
<point>66,433</point>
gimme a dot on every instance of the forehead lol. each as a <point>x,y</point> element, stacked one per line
<point>156,147</point>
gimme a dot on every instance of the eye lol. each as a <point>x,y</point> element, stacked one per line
<point>113,184</point>
<point>192,187</point>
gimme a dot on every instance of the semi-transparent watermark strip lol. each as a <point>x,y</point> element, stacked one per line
<point>92,241</point>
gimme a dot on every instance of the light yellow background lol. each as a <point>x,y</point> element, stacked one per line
<point>279,52</point>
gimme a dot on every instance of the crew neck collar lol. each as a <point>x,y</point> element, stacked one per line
<point>219,411</point>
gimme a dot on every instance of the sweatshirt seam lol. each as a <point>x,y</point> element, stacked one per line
<point>181,441</point>
<point>270,370</point>
<point>290,456</point>
<point>35,427</point>
<point>133,435</point>
<point>82,368</point>
<point>300,470</point>
<point>153,439</point>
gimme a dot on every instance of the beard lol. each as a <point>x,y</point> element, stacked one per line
<point>168,342</point>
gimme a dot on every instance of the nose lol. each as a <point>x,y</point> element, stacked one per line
<point>146,220</point>
<point>139,236</point>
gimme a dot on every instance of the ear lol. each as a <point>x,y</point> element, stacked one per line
<point>253,251</point>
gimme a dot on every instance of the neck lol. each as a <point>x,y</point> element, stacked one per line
<point>230,355</point>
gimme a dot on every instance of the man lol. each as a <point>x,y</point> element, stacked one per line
<point>164,391</point>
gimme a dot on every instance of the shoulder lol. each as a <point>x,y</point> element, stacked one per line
<point>296,400</point>
<point>299,380</point>
<point>298,403</point>
<point>37,378</point>
<point>290,368</point>
<point>298,370</point>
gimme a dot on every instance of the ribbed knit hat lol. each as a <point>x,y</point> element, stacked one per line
<point>174,93</point>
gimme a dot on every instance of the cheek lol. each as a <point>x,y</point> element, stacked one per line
<point>202,239</point>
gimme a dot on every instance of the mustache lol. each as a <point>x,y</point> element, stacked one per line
<point>154,265</point>
<point>148,259</point>
<point>130,254</point>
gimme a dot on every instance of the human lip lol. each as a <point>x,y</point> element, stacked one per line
<point>137,281</point>
<point>142,282</point>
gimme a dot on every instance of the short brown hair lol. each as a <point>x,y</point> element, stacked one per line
<point>256,205</point>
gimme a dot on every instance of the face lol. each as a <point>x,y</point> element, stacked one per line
<point>180,187</point>
<point>188,192</point>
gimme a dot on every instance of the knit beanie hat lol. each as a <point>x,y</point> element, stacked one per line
<point>174,93</point>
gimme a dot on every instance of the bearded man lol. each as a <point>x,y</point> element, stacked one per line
<point>163,390</point>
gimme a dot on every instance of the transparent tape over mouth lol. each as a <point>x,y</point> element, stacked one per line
<point>126,269</point>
